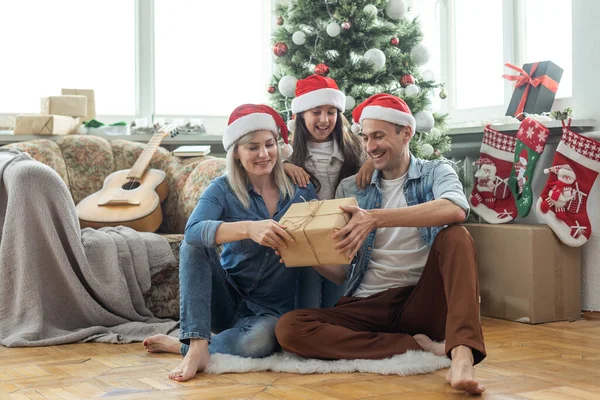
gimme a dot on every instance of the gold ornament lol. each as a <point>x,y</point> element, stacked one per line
<point>443,93</point>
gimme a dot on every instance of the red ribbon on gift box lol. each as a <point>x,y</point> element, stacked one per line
<point>525,79</point>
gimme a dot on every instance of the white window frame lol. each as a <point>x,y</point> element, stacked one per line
<point>514,36</point>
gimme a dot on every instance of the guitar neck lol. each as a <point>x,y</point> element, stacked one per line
<point>142,163</point>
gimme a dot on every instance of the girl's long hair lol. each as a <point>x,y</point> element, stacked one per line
<point>238,177</point>
<point>350,145</point>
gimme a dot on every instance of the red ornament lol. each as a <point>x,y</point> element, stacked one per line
<point>280,49</point>
<point>346,25</point>
<point>279,20</point>
<point>394,41</point>
<point>271,89</point>
<point>437,153</point>
<point>406,80</point>
<point>321,69</point>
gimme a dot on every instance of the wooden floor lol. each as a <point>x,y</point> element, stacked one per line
<point>550,361</point>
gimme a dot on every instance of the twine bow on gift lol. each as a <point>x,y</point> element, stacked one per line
<point>526,79</point>
<point>303,221</point>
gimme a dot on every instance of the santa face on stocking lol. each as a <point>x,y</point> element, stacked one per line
<point>486,177</point>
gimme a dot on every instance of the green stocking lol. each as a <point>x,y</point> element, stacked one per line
<point>531,140</point>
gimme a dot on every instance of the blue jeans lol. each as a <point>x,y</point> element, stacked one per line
<point>315,291</point>
<point>208,304</point>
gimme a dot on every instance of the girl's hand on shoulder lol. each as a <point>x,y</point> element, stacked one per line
<point>363,178</point>
<point>297,174</point>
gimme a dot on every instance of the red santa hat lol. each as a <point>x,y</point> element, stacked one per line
<point>315,91</point>
<point>254,117</point>
<point>384,107</point>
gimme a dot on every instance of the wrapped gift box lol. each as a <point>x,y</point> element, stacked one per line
<point>312,224</point>
<point>91,101</point>
<point>535,87</point>
<point>45,125</point>
<point>526,274</point>
<point>70,105</point>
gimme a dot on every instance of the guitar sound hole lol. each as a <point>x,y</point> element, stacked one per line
<point>131,185</point>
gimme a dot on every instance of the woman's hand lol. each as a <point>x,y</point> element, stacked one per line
<point>363,178</point>
<point>270,233</point>
<point>297,174</point>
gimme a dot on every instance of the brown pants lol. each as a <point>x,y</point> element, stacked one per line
<point>443,305</point>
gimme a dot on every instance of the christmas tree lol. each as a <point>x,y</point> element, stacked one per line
<point>368,47</point>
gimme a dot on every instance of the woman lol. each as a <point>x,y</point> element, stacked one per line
<point>241,295</point>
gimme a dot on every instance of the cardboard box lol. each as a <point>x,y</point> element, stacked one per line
<point>45,125</point>
<point>540,98</point>
<point>526,274</point>
<point>312,224</point>
<point>72,106</point>
<point>91,101</point>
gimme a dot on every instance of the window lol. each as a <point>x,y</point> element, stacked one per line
<point>67,44</point>
<point>479,37</point>
<point>209,59</point>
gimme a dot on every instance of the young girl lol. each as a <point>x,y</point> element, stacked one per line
<point>325,152</point>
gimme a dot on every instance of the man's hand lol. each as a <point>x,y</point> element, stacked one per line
<point>270,233</point>
<point>351,237</point>
<point>297,174</point>
<point>365,174</point>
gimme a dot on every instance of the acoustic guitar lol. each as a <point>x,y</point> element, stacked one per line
<point>130,197</point>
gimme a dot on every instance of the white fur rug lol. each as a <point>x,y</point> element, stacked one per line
<point>410,363</point>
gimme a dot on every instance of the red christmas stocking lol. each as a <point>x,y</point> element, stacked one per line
<point>491,198</point>
<point>563,202</point>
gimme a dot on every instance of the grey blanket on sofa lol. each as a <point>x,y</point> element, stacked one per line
<point>61,284</point>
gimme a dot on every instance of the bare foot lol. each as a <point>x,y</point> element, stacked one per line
<point>162,344</point>
<point>461,375</point>
<point>194,361</point>
<point>439,349</point>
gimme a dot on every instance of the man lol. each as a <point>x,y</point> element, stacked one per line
<point>415,281</point>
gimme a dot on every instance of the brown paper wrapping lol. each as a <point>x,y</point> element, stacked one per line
<point>91,101</point>
<point>312,224</point>
<point>71,105</point>
<point>45,125</point>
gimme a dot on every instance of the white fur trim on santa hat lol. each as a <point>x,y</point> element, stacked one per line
<point>389,115</point>
<point>317,98</point>
<point>246,124</point>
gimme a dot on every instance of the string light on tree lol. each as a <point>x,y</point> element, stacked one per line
<point>420,54</point>
<point>376,57</point>
<point>299,38</point>
<point>287,85</point>
<point>396,9</point>
<point>280,49</point>
<point>321,69</point>
<point>333,29</point>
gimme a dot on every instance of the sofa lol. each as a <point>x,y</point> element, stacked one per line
<point>84,162</point>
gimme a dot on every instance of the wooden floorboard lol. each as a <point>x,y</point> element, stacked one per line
<point>549,361</point>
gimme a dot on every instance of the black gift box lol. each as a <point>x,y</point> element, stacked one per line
<point>539,98</point>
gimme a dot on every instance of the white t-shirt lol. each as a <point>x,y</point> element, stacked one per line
<point>399,254</point>
<point>322,155</point>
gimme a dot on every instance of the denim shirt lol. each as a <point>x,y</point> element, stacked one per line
<point>254,271</point>
<point>427,181</point>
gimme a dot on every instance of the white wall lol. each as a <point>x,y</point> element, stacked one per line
<point>586,104</point>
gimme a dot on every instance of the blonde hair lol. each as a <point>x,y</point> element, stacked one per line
<point>238,177</point>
